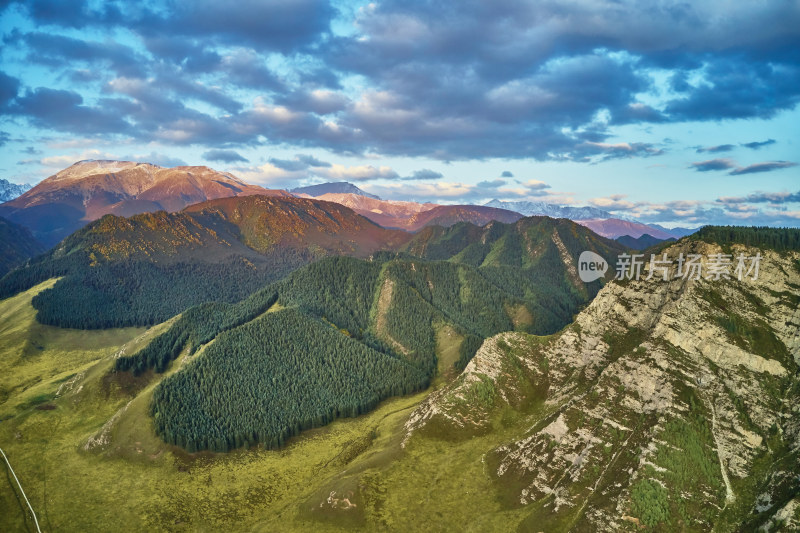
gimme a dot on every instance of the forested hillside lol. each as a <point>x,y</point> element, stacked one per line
<point>289,371</point>
<point>387,314</point>
<point>778,239</point>
<point>534,259</point>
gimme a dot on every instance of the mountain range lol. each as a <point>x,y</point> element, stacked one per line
<point>600,221</point>
<point>615,227</point>
<point>679,415</point>
<point>551,210</point>
<point>640,243</point>
<point>87,190</point>
<point>384,314</point>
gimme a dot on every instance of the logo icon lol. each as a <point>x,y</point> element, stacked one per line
<point>591,266</point>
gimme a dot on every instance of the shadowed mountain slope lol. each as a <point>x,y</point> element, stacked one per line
<point>146,268</point>
<point>17,245</point>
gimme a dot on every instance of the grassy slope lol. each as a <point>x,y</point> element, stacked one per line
<point>138,483</point>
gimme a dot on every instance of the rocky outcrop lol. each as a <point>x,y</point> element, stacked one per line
<point>669,403</point>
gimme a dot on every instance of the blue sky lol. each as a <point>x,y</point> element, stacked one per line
<point>669,112</point>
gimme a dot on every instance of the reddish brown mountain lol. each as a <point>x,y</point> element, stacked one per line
<point>315,226</point>
<point>88,190</point>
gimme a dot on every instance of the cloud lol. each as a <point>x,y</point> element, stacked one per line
<point>767,166</point>
<point>608,151</point>
<point>246,68</point>
<point>716,149</point>
<point>60,162</point>
<point>65,111</point>
<point>736,88</point>
<point>292,165</point>
<point>544,81</point>
<point>156,158</point>
<point>56,50</point>
<point>270,175</point>
<point>424,174</point>
<point>9,87</point>
<point>75,14</point>
<point>693,213</point>
<point>735,170</point>
<point>713,164</point>
<point>762,197</point>
<point>506,174</point>
<point>491,184</point>
<point>535,185</point>
<point>300,162</point>
<point>789,214</point>
<point>318,101</point>
<point>447,192</point>
<point>356,173</point>
<point>755,145</point>
<point>466,193</point>
<point>279,26</point>
<point>312,161</point>
<point>615,202</point>
<point>225,156</point>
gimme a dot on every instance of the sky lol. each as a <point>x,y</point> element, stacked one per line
<point>679,113</point>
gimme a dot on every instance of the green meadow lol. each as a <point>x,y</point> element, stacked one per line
<point>58,393</point>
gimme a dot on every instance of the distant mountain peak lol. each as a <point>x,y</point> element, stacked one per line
<point>9,191</point>
<point>529,208</point>
<point>338,187</point>
<point>89,189</point>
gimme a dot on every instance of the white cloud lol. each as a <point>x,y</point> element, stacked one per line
<point>63,161</point>
<point>615,202</point>
<point>356,173</point>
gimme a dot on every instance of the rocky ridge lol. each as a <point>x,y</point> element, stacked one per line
<point>666,404</point>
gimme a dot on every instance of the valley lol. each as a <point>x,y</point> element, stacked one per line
<point>595,425</point>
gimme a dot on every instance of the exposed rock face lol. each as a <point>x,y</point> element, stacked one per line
<point>666,402</point>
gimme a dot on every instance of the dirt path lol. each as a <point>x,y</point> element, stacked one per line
<point>35,520</point>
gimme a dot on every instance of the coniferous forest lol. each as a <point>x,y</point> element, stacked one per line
<point>291,371</point>
<point>778,239</point>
